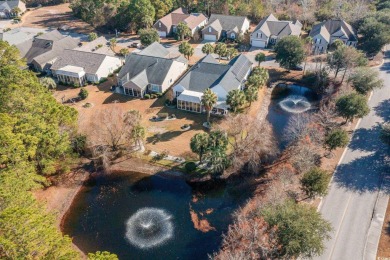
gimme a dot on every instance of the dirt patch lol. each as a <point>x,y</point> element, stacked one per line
<point>54,17</point>
<point>59,197</point>
<point>384,242</point>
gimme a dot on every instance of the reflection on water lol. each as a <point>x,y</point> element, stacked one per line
<point>151,217</point>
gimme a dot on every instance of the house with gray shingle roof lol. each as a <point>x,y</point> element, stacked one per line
<point>270,30</point>
<point>225,26</point>
<point>325,33</point>
<point>166,26</point>
<point>79,67</point>
<point>44,49</point>
<point>152,70</point>
<point>8,9</point>
<point>208,73</point>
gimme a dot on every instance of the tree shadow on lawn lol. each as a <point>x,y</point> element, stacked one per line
<point>163,137</point>
<point>117,98</point>
<point>383,110</point>
<point>363,174</point>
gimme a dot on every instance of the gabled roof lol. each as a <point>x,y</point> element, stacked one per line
<point>194,20</point>
<point>150,66</point>
<point>156,50</point>
<point>329,27</point>
<point>46,47</point>
<point>226,22</point>
<point>208,73</point>
<point>89,61</point>
<point>182,15</point>
<point>9,5</point>
<point>16,36</point>
<point>270,25</point>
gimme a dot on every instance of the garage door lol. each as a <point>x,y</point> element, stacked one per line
<point>210,37</point>
<point>257,43</point>
<point>162,34</point>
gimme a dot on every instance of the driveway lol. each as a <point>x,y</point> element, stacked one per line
<point>5,24</point>
<point>354,205</point>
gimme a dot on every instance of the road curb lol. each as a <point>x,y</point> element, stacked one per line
<point>378,217</point>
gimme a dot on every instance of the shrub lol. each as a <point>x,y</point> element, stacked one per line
<point>153,96</point>
<point>146,96</point>
<point>83,94</point>
<point>190,167</point>
<point>159,95</point>
<point>315,182</point>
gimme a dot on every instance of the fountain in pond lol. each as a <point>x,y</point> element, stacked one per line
<point>149,227</point>
<point>295,104</point>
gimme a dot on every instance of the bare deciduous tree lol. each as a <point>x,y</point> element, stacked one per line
<point>253,142</point>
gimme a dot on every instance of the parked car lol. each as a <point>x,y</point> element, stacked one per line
<point>135,45</point>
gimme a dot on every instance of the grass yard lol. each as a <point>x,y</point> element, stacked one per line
<point>164,136</point>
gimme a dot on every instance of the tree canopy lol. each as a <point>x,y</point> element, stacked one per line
<point>351,106</point>
<point>301,230</point>
<point>315,182</point>
<point>364,80</point>
<point>36,135</point>
<point>148,36</point>
<point>289,52</point>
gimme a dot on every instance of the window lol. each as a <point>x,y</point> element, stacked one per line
<point>159,24</point>
<point>209,29</point>
<point>232,35</point>
<point>154,88</point>
<point>259,35</point>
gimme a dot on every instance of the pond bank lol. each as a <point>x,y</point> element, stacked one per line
<point>59,197</point>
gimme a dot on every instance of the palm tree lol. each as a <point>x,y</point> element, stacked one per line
<point>235,99</point>
<point>113,42</point>
<point>48,83</point>
<point>138,135</point>
<point>198,144</point>
<point>258,78</point>
<point>260,57</point>
<point>208,48</point>
<point>209,99</point>
<point>220,49</point>
<point>217,160</point>
<point>186,49</point>
<point>251,94</point>
<point>231,53</point>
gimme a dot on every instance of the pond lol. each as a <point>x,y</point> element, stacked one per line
<point>288,101</point>
<point>138,216</point>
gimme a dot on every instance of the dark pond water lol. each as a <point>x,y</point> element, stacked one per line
<point>288,101</point>
<point>97,219</point>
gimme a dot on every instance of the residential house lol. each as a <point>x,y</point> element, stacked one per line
<point>43,50</point>
<point>8,9</point>
<point>152,70</point>
<point>270,30</point>
<point>20,37</point>
<point>167,25</point>
<point>325,33</point>
<point>209,73</point>
<point>225,26</point>
<point>79,67</point>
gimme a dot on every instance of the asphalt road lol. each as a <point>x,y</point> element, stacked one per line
<point>353,192</point>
